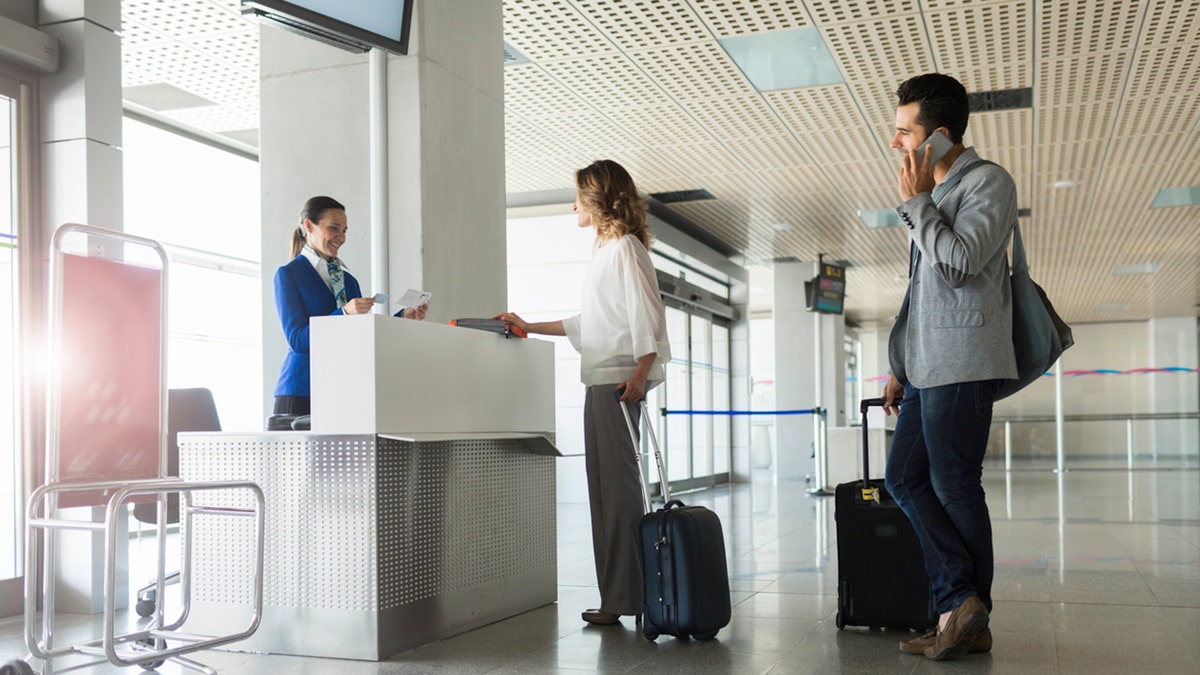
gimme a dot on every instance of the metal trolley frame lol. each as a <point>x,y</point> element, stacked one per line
<point>154,640</point>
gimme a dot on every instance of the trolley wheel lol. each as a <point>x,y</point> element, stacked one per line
<point>650,634</point>
<point>153,643</point>
<point>144,608</point>
<point>16,667</point>
<point>841,623</point>
<point>706,636</point>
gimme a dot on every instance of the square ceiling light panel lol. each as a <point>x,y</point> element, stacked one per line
<point>161,96</point>
<point>1180,196</point>
<point>876,218</point>
<point>785,59</point>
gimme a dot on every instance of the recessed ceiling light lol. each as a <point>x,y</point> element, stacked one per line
<point>875,218</point>
<point>1179,196</point>
<point>782,227</point>
<point>784,59</point>
<point>1141,268</point>
<point>1063,184</point>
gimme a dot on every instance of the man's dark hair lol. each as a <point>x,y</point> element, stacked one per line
<point>943,102</point>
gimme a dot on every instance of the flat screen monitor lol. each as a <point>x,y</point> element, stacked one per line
<point>356,26</point>
<point>827,291</point>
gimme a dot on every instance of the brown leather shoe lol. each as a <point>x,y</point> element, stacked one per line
<point>600,617</point>
<point>980,644</point>
<point>966,621</point>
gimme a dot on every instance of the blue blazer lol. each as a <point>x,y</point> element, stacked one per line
<point>300,294</point>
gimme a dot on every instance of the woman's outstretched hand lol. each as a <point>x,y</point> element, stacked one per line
<point>511,320</point>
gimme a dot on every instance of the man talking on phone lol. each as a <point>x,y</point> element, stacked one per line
<point>949,349</point>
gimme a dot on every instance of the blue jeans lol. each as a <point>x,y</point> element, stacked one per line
<point>934,472</point>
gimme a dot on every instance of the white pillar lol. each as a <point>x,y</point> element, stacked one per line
<point>81,182</point>
<point>795,381</point>
<point>1173,344</point>
<point>445,186</point>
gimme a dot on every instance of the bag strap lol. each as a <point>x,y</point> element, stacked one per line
<point>1019,264</point>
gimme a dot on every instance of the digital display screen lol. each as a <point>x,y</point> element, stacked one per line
<point>827,292</point>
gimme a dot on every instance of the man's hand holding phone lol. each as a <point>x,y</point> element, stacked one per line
<point>916,171</point>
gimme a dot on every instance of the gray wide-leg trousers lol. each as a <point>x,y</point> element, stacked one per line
<point>615,495</point>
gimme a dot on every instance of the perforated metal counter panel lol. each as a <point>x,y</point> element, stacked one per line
<point>374,545</point>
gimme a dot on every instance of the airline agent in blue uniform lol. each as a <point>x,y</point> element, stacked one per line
<point>315,283</point>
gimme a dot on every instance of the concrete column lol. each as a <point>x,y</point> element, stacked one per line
<point>82,183</point>
<point>796,371</point>
<point>874,343</point>
<point>446,200</point>
<point>795,377</point>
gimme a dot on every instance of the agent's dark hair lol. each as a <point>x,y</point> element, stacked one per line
<point>313,209</point>
<point>943,102</point>
<point>606,190</point>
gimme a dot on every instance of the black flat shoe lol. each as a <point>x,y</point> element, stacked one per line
<point>600,617</point>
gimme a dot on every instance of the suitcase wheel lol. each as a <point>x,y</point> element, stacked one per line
<point>649,633</point>
<point>706,636</point>
<point>16,667</point>
<point>841,623</point>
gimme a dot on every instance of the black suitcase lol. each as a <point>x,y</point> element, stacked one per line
<point>882,581</point>
<point>683,560</point>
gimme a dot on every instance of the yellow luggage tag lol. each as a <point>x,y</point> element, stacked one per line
<point>870,494</point>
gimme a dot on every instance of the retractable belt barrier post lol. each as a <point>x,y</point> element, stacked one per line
<point>820,485</point>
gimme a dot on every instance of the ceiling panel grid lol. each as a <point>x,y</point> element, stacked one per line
<point>662,125</point>
<point>534,94</point>
<point>870,51</point>
<point>816,109</point>
<point>635,24</point>
<point>705,157</point>
<point>827,12</point>
<point>546,30</point>
<point>647,82</point>
<point>1000,38</point>
<point>694,71</point>
<point>611,81</point>
<point>1074,28</point>
<point>1171,23</point>
<point>729,18</point>
<point>1084,79</point>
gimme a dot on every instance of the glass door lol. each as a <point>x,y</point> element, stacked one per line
<point>696,444</point>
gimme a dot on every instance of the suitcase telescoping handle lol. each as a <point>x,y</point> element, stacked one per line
<point>637,452</point>
<point>869,493</point>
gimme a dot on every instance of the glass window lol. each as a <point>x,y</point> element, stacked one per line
<point>9,483</point>
<point>202,203</point>
<point>721,433</point>
<point>678,393</point>
<point>702,398</point>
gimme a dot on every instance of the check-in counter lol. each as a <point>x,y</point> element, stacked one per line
<point>421,505</point>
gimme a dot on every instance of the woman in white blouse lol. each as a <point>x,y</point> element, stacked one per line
<point>621,333</point>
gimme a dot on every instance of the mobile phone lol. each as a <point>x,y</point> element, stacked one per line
<point>937,143</point>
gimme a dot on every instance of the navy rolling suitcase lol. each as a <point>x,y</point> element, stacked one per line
<point>882,581</point>
<point>683,559</point>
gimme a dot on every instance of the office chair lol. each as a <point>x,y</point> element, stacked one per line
<point>187,410</point>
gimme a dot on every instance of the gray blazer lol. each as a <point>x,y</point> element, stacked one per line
<point>959,303</point>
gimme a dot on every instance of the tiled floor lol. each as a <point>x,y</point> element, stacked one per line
<point>1098,572</point>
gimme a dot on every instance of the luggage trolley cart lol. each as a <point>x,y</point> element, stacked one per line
<point>106,447</point>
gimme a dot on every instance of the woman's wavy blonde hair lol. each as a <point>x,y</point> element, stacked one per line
<point>606,191</point>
